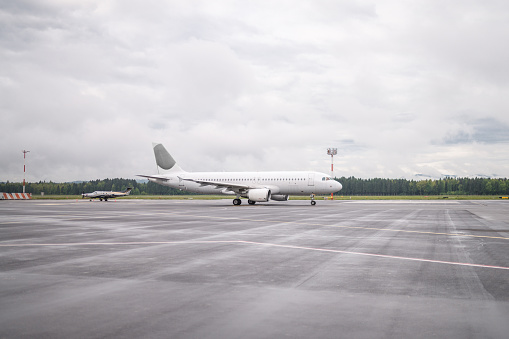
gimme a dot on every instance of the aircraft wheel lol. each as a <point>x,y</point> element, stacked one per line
<point>100,199</point>
<point>313,203</point>
<point>251,202</point>
<point>237,201</point>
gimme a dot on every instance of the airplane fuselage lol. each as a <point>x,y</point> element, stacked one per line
<point>279,183</point>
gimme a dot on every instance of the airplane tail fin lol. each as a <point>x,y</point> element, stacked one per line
<point>128,190</point>
<point>164,160</point>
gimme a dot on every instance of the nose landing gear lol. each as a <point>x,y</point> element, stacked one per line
<point>313,202</point>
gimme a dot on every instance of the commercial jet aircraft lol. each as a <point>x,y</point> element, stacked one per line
<point>255,186</point>
<point>106,194</point>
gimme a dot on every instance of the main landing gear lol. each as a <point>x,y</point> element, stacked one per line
<point>237,201</point>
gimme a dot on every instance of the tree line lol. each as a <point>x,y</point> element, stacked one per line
<point>351,186</point>
<point>76,188</point>
<point>447,186</point>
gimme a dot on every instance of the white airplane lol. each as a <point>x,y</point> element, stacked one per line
<point>106,194</point>
<point>255,186</point>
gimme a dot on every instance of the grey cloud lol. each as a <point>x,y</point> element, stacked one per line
<point>346,146</point>
<point>486,130</point>
<point>263,85</point>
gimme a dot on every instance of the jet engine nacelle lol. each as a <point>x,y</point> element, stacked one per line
<point>258,194</point>
<point>279,197</point>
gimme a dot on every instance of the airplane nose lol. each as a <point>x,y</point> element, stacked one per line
<point>338,185</point>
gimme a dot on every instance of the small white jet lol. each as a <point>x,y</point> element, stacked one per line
<point>255,186</point>
<point>106,194</point>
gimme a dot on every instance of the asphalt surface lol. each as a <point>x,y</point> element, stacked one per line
<point>208,269</point>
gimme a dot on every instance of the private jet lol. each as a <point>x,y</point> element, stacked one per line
<point>105,194</point>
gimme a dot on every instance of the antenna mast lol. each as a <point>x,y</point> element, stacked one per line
<point>24,168</point>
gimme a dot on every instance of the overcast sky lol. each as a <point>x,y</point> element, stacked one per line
<point>398,87</point>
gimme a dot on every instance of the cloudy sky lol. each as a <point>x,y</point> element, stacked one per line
<point>399,87</point>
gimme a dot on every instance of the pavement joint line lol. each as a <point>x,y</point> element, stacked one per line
<point>378,255</point>
<point>119,243</point>
<point>86,216</point>
<point>263,244</point>
<point>339,226</point>
<point>285,222</point>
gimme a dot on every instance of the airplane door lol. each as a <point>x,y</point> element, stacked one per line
<point>311,179</point>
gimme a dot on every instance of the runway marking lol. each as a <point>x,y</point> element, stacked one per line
<point>339,226</point>
<point>261,244</point>
<point>379,255</point>
<point>112,215</point>
<point>121,243</point>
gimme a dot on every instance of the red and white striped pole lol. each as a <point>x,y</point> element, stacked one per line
<point>332,152</point>
<point>24,168</point>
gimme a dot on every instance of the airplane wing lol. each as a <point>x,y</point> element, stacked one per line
<point>153,177</point>
<point>237,188</point>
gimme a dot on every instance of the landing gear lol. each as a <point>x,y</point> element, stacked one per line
<point>251,202</point>
<point>237,201</point>
<point>313,202</point>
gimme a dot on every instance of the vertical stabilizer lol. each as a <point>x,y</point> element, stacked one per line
<point>164,160</point>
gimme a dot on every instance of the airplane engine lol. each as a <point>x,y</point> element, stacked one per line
<point>258,194</point>
<point>279,197</point>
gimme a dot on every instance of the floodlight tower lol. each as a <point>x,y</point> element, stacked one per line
<point>332,152</point>
<point>24,168</point>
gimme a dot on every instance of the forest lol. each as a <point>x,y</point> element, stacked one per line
<point>75,188</point>
<point>351,186</point>
<point>446,186</point>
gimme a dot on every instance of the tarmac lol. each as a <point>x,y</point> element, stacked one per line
<point>208,269</point>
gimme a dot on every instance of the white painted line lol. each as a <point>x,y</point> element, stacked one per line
<point>260,244</point>
<point>379,255</point>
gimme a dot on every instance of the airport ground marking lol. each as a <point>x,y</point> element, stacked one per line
<point>118,243</point>
<point>77,217</point>
<point>326,250</point>
<point>343,226</point>
<point>377,255</point>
